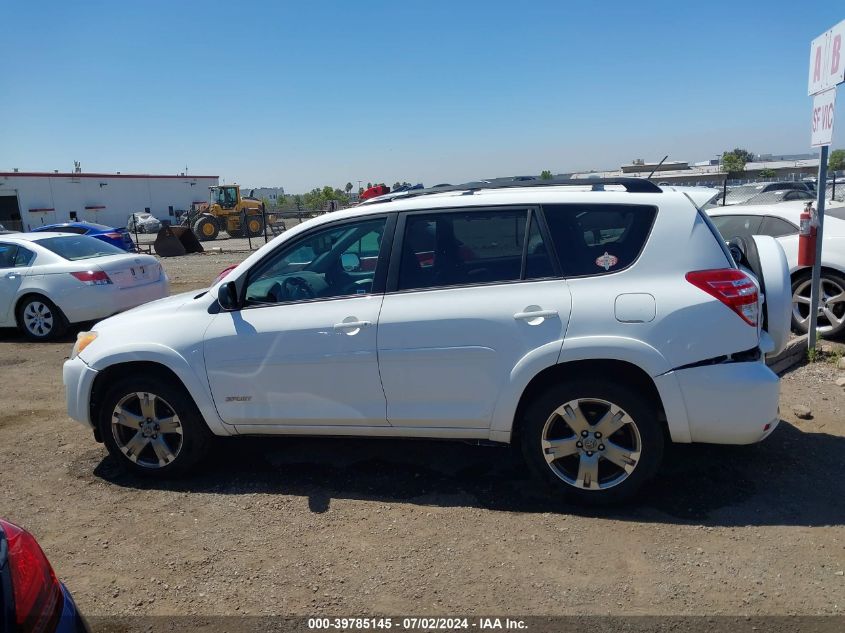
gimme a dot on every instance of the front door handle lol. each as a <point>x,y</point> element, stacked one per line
<point>535,314</point>
<point>351,327</point>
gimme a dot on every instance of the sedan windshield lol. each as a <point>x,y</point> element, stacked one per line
<point>78,247</point>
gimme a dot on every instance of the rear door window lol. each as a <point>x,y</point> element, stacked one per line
<point>595,239</point>
<point>457,248</point>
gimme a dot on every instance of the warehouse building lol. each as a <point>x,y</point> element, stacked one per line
<point>30,199</point>
<point>710,173</point>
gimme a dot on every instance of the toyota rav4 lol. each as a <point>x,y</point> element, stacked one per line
<point>589,323</point>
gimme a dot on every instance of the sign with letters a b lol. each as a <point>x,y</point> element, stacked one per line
<point>827,60</point>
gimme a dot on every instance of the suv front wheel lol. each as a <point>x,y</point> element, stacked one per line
<point>152,427</point>
<point>596,442</point>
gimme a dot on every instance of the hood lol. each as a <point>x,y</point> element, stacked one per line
<point>167,305</point>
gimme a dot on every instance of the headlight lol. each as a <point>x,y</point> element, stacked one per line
<point>83,340</point>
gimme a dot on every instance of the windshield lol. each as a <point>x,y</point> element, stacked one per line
<point>78,247</point>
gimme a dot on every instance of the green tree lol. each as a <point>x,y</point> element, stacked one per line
<point>733,163</point>
<point>545,175</point>
<point>348,188</point>
<point>396,185</point>
<point>768,173</point>
<point>369,184</point>
<point>837,160</point>
<point>744,154</point>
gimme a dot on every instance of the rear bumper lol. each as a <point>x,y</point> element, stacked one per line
<point>78,379</point>
<point>92,303</point>
<point>730,403</point>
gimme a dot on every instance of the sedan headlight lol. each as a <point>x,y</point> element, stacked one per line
<point>83,340</point>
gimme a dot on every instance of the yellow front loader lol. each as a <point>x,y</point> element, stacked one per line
<point>225,211</point>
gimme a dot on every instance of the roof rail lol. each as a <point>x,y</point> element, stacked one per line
<point>632,185</point>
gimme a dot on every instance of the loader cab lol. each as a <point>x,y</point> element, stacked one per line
<point>227,197</point>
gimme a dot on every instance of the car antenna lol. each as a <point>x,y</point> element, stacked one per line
<point>658,167</point>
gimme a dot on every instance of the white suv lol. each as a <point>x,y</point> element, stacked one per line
<point>587,322</point>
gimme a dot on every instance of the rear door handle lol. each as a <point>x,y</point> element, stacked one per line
<point>538,314</point>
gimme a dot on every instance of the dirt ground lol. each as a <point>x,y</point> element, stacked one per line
<point>344,527</point>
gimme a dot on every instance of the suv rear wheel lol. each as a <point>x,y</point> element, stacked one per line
<point>595,442</point>
<point>152,427</point>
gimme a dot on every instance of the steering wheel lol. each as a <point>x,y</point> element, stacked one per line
<point>297,288</point>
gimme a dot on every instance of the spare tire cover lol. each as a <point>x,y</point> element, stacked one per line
<point>774,273</point>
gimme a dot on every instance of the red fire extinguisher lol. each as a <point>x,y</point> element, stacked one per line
<point>807,237</point>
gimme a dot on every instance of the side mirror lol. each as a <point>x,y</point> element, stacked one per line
<point>227,296</point>
<point>350,262</point>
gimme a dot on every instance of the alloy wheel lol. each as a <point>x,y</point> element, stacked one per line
<point>831,312</point>
<point>147,430</point>
<point>591,444</point>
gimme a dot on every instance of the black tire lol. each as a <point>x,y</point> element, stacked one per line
<point>830,281</point>
<point>254,226</point>
<point>53,323</point>
<point>235,232</point>
<point>206,229</point>
<point>647,431</point>
<point>192,444</point>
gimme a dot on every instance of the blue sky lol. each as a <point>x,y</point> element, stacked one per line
<point>311,93</point>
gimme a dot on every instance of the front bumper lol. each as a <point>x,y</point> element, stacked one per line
<point>730,403</point>
<point>78,379</point>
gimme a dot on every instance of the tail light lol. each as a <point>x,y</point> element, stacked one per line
<point>113,236</point>
<point>733,288</point>
<point>92,277</point>
<point>37,593</point>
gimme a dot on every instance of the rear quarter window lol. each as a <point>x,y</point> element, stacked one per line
<point>598,239</point>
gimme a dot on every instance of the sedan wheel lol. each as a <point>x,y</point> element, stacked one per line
<point>147,430</point>
<point>831,312</point>
<point>39,319</point>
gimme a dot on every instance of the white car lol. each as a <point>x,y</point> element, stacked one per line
<point>781,221</point>
<point>51,280</point>
<point>589,326</point>
<point>145,223</point>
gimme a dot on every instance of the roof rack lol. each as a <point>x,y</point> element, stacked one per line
<point>631,185</point>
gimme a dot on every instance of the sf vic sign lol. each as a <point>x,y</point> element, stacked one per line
<point>827,60</point>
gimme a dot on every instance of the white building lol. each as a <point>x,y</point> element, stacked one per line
<point>30,199</point>
<point>273,194</point>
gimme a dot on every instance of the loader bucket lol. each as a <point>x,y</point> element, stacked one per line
<point>173,241</point>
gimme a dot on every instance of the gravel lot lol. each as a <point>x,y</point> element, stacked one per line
<point>342,526</point>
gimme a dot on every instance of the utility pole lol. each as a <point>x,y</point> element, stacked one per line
<point>815,284</point>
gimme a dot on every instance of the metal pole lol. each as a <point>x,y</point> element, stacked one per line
<point>725,191</point>
<point>264,221</point>
<point>815,284</point>
<point>246,230</point>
